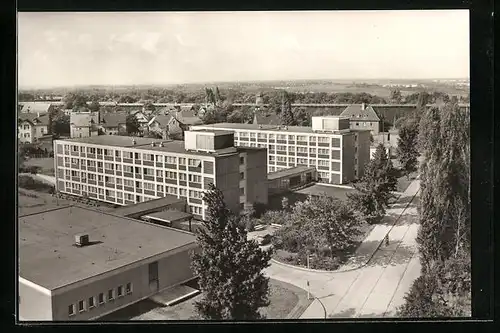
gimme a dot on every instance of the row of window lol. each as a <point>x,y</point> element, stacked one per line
<point>289,137</point>
<point>290,148</point>
<point>92,302</point>
<point>132,155</point>
<point>196,194</point>
<point>192,178</point>
<point>301,160</point>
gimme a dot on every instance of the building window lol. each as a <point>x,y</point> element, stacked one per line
<point>149,186</point>
<point>171,160</point>
<point>81,306</point>
<point>71,310</point>
<point>182,161</point>
<point>182,192</point>
<point>159,188</point>
<point>159,158</point>
<point>111,294</point>
<point>182,176</point>
<point>194,178</point>
<point>194,163</point>
<point>120,291</point>
<point>242,175</point>
<point>128,288</point>
<point>91,302</point>
<point>242,191</point>
<point>242,160</point>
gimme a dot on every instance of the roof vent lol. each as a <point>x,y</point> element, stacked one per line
<point>133,141</point>
<point>81,240</point>
<point>260,126</point>
<point>285,128</point>
<point>160,144</point>
<point>152,144</point>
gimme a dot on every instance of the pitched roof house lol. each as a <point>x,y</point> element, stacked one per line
<point>160,124</point>
<point>35,107</point>
<point>83,124</point>
<point>113,123</point>
<point>32,126</point>
<point>362,117</point>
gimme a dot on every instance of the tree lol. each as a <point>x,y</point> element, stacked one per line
<point>286,114</point>
<point>60,124</point>
<point>79,101</point>
<point>396,96</point>
<point>127,99</point>
<point>94,106</point>
<point>229,265</point>
<point>373,192</point>
<point>406,151</point>
<point>132,125</point>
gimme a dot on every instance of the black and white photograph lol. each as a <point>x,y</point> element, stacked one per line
<point>245,165</point>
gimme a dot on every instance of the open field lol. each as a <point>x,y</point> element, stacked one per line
<point>284,299</point>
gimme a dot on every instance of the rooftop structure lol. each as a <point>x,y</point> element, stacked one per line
<point>49,258</point>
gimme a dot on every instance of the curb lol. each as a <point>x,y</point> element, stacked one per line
<point>369,258</point>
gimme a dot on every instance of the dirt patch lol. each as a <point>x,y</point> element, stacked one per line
<point>46,165</point>
<point>284,298</point>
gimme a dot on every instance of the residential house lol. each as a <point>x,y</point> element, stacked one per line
<point>159,124</point>
<point>265,118</point>
<point>84,124</point>
<point>114,123</point>
<point>362,117</point>
<point>142,119</point>
<point>182,121</point>
<point>36,107</point>
<point>32,126</point>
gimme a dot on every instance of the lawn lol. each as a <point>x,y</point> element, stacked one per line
<point>46,165</point>
<point>284,298</point>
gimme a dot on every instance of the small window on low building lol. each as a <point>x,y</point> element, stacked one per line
<point>91,302</point>
<point>128,288</point>
<point>81,306</point>
<point>120,291</point>
<point>71,310</point>
<point>101,298</point>
<point>111,294</point>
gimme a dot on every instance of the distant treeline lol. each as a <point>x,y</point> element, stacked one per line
<point>235,95</point>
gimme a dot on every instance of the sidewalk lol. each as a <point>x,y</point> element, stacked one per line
<point>374,282</point>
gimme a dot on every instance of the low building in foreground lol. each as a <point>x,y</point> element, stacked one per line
<point>290,179</point>
<point>128,170</point>
<point>338,152</point>
<point>77,263</point>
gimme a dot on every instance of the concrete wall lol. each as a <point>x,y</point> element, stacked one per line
<point>256,176</point>
<point>348,155</point>
<point>33,303</point>
<point>363,151</point>
<point>172,270</point>
<point>80,132</point>
<point>228,180</point>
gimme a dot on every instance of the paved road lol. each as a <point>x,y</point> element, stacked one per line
<point>374,290</point>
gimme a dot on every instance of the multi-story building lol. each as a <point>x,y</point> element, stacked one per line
<point>336,151</point>
<point>127,170</point>
<point>362,117</point>
<point>84,124</point>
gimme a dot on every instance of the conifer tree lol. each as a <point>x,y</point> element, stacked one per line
<point>286,113</point>
<point>229,266</point>
<point>407,152</point>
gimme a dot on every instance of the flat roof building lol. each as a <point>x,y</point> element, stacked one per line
<point>77,263</point>
<point>127,170</point>
<point>338,152</point>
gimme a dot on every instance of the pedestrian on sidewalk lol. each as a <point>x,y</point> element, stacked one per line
<point>386,240</point>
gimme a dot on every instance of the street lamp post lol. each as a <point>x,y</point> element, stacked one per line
<point>309,289</point>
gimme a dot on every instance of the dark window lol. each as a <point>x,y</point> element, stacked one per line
<point>242,175</point>
<point>71,309</point>
<point>242,191</point>
<point>120,291</point>
<point>128,288</point>
<point>101,298</point>
<point>111,294</point>
<point>81,306</point>
<point>91,302</point>
<point>242,160</point>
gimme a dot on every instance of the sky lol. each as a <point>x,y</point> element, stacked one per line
<point>67,49</point>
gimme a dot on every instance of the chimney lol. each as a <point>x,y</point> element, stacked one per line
<point>152,144</point>
<point>38,114</point>
<point>133,142</point>
<point>81,240</point>
<point>362,106</point>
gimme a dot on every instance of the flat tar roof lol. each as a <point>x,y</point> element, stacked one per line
<point>48,257</point>
<point>165,201</point>
<point>276,128</point>
<point>145,144</point>
<point>169,215</point>
<point>289,172</point>
<point>331,191</point>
